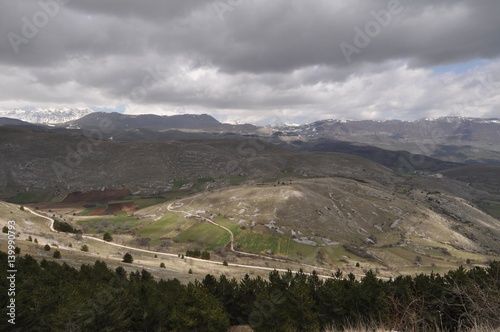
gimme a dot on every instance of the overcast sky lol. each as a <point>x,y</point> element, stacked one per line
<point>254,61</point>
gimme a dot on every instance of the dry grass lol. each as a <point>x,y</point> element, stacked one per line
<point>349,212</point>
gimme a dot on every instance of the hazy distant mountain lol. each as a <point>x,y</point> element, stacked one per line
<point>46,115</point>
<point>447,128</point>
<point>451,139</point>
<point>456,139</point>
<point>12,122</point>
<point>198,122</point>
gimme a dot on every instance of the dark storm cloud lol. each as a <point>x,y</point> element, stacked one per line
<point>281,55</point>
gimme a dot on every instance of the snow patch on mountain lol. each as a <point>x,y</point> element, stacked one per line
<point>46,115</point>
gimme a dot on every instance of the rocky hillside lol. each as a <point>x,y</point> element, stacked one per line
<point>48,161</point>
<point>456,139</point>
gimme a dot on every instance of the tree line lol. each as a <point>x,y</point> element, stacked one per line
<point>53,296</point>
<point>197,253</point>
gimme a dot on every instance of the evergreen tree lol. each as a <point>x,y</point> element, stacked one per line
<point>198,311</point>
<point>53,296</point>
<point>107,237</point>
<point>205,255</point>
<point>127,258</point>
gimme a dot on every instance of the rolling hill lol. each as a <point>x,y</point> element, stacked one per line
<point>320,202</point>
<point>119,122</point>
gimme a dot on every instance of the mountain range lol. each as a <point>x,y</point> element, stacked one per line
<point>122,122</point>
<point>407,146</point>
<point>454,139</point>
<point>385,192</point>
<point>438,138</point>
<point>46,115</point>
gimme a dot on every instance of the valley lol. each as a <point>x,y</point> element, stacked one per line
<point>247,201</point>
<point>240,166</point>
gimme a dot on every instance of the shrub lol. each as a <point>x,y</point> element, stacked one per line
<point>127,258</point>
<point>63,226</point>
<point>46,247</point>
<point>162,265</point>
<point>198,254</point>
<point>107,237</point>
<point>205,255</point>
<point>57,254</point>
<point>84,248</point>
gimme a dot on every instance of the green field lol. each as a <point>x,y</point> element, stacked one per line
<point>231,225</point>
<point>179,183</point>
<point>204,180</point>
<point>206,235</point>
<point>30,197</point>
<point>168,226</point>
<point>184,230</point>
<point>286,247</point>
<point>235,180</point>
<point>90,207</point>
<point>259,243</point>
<point>86,212</point>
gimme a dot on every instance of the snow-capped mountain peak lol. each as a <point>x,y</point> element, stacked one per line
<point>46,115</point>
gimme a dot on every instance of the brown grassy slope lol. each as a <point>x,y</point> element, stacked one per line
<point>355,213</point>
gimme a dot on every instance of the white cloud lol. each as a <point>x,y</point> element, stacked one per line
<point>260,63</point>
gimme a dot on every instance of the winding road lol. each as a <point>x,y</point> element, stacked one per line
<point>253,267</point>
<point>169,208</point>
